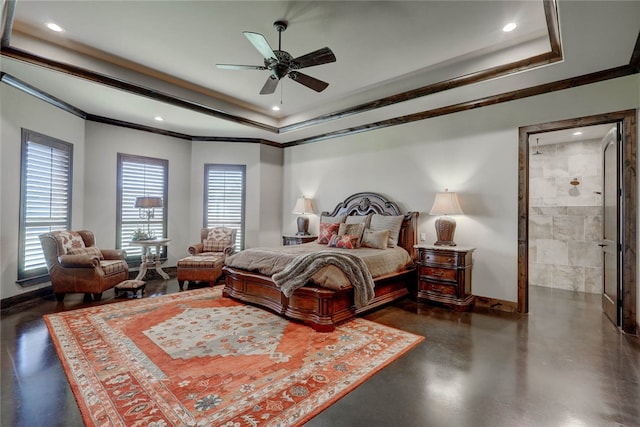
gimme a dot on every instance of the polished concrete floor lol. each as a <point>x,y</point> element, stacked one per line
<point>562,365</point>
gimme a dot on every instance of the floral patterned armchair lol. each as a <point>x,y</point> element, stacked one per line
<point>76,265</point>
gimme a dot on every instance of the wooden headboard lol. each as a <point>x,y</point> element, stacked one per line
<point>366,203</point>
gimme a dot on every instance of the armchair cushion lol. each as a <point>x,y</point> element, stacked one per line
<point>213,245</point>
<point>113,254</point>
<point>91,251</point>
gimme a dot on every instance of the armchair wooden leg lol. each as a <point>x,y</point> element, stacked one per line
<point>181,284</point>
<point>60,296</point>
<point>97,296</point>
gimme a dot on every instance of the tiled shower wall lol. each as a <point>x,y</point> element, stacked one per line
<point>565,220</point>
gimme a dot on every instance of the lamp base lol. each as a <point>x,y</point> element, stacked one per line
<point>445,229</point>
<point>303,226</point>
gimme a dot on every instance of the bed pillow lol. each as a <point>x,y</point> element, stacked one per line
<point>388,222</point>
<point>352,230</point>
<point>344,241</point>
<point>375,239</point>
<point>324,219</point>
<point>359,219</point>
<point>326,231</point>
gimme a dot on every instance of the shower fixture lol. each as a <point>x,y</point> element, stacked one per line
<point>537,153</point>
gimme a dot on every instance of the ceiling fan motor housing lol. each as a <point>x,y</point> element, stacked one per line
<point>282,66</point>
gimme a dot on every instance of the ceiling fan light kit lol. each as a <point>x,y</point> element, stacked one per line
<point>280,63</point>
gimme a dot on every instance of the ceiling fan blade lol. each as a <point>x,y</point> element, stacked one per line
<point>308,81</point>
<point>240,67</point>
<point>269,86</point>
<point>261,44</point>
<point>317,57</point>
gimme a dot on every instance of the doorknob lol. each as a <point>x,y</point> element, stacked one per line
<point>602,245</point>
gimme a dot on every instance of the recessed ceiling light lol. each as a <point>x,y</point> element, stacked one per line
<point>577,133</point>
<point>275,108</point>
<point>509,27</point>
<point>158,119</point>
<point>54,27</point>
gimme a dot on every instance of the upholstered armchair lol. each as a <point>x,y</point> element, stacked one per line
<point>217,240</point>
<point>76,265</point>
<point>207,257</point>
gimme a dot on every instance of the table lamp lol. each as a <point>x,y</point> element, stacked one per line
<point>146,206</point>
<point>445,203</point>
<point>303,207</point>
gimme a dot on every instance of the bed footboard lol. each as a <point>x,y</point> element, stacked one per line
<point>320,308</point>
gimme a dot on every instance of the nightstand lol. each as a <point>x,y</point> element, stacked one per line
<point>444,276</point>
<point>297,240</point>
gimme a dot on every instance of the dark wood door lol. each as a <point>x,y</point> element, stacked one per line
<point>611,226</point>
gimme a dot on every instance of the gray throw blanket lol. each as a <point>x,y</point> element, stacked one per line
<point>304,266</point>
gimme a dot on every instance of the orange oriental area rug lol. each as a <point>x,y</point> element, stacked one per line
<point>198,359</point>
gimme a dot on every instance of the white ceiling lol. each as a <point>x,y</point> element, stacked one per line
<point>382,48</point>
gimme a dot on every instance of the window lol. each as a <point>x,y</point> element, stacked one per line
<point>45,199</point>
<point>140,177</point>
<point>224,192</point>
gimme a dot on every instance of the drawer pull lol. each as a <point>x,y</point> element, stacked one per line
<point>450,260</point>
<point>438,273</point>
<point>436,288</point>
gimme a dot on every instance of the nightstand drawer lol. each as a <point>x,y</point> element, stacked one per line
<point>440,288</point>
<point>438,273</point>
<point>437,258</point>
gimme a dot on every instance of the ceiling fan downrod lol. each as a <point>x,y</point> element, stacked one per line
<point>280,26</point>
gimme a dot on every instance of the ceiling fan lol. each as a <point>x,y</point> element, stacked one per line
<point>281,63</point>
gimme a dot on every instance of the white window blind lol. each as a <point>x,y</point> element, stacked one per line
<point>224,198</point>
<point>140,177</point>
<point>45,197</point>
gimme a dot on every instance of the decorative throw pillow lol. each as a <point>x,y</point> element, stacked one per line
<point>375,239</point>
<point>91,251</point>
<point>215,245</point>
<point>344,241</point>
<point>218,233</point>
<point>70,239</point>
<point>388,222</point>
<point>359,219</point>
<point>352,230</point>
<point>326,231</point>
<point>332,219</point>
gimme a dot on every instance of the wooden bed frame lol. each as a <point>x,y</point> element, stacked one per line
<point>324,308</point>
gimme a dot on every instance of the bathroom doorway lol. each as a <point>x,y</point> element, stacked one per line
<point>561,196</point>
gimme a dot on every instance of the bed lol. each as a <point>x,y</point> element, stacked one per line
<point>324,307</point>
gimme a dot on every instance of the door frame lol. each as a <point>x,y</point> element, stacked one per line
<point>627,177</point>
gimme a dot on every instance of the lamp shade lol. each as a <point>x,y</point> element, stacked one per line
<point>148,202</point>
<point>446,203</point>
<point>303,206</point>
